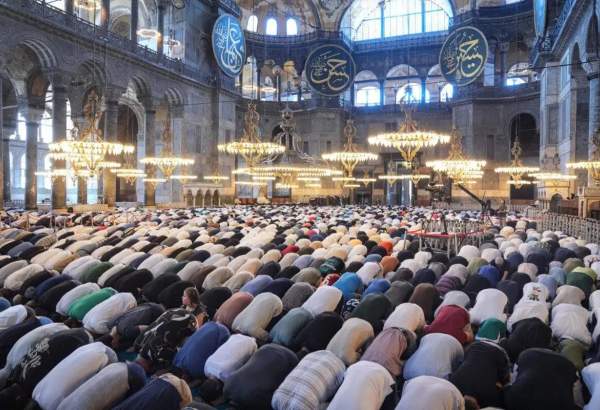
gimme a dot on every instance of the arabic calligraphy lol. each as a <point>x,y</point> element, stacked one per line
<point>229,45</point>
<point>330,70</point>
<point>463,56</point>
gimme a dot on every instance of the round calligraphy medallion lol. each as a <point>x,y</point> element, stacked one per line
<point>229,45</point>
<point>463,56</point>
<point>540,11</point>
<point>330,70</point>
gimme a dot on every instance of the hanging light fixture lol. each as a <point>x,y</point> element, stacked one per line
<point>457,166</point>
<point>168,161</point>
<point>593,164</point>
<point>155,181</point>
<point>350,157</point>
<point>216,178</point>
<point>516,170</point>
<point>86,153</point>
<point>250,147</point>
<point>290,164</point>
<point>409,140</point>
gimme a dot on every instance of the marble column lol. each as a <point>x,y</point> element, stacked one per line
<point>33,116</point>
<point>161,28</point>
<point>149,189</point>
<point>59,132</point>
<point>69,6</point>
<point>105,14</point>
<point>82,193</point>
<point>594,110</point>
<point>109,179</point>
<point>134,21</point>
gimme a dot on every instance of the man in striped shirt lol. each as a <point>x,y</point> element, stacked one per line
<point>312,383</point>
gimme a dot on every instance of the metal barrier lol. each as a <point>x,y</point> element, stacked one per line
<point>588,229</point>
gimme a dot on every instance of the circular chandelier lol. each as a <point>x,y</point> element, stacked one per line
<point>250,183</point>
<point>129,174</point>
<point>409,140</point>
<point>287,166</point>
<point>457,166</point>
<point>216,178</point>
<point>155,181</point>
<point>592,165</point>
<point>552,177</point>
<point>86,153</point>
<point>517,170</point>
<point>168,162</point>
<point>350,157</point>
<point>250,147</point>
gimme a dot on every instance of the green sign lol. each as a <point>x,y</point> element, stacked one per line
<point>463,56</point>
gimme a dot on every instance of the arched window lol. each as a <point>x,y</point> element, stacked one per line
<point>397,77</point>
<point>366,89</point>
<point>367,96</point>
<point>447,93</point>
<point>252,24</point>
<point>411,93</point>
<point>271,28</point>
<point>291,27</point>
<point>369,19</point>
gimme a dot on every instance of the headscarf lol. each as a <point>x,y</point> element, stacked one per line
<point>451,320</point>
<point>399,292</point>
<point>349,283</point>
<point>491,273</point>
<point>308,275</point>
<point>425,295</point>
<point>377,286</point>
<point>213,299</point>
<point>296,295</point>
<point>368,272</point>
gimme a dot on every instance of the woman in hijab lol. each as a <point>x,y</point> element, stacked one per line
<point>425,295</point>
<point>373,308</point>
<point>399,292</point>
<point>544,382</point>
<point>255,318</point>
<point>296,295</point>
<point>349,342</point>
<point>424,276</point>
<point>213,299</point>
<point>526,334</point>
<point>454,321</point>
<point>318,332</point>
<point>232,307</point>
<point>388,349</point>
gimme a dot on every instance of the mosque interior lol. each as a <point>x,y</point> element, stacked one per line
<point>386,160</point>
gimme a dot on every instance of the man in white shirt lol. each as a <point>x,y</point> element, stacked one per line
<point>365,387</point>
<point>428,393</point>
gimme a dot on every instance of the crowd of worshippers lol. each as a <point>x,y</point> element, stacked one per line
<point>293,308</point>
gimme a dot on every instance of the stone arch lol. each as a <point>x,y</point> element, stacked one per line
<point>199,198</point>
<point>366,89</point>
<point>174,97</point>
<point>93,72</point>
<point>524,126</point>
<point>216,197</point>
<point>398,77</point>
<point>142,89</point>
<point>46,57</point>
<point>208,198</point>
<point>189,198</point>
